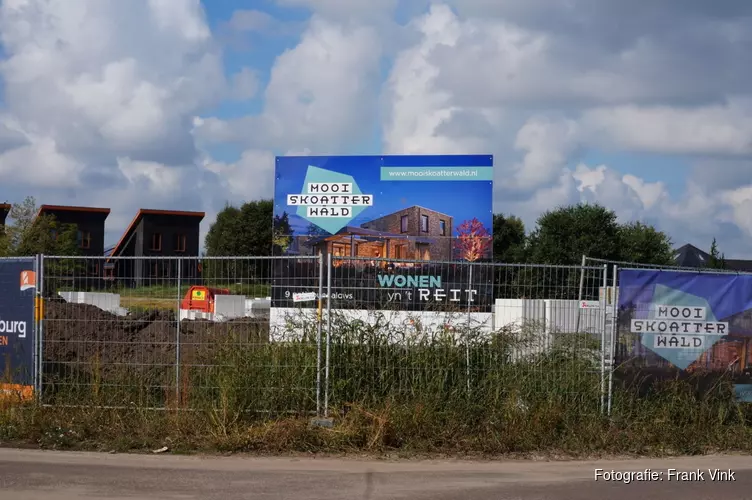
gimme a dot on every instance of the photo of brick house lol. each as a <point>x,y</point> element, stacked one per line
<point>431,230</point>
<point>414,233</point>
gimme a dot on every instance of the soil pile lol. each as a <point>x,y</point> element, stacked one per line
<point>83,335</point>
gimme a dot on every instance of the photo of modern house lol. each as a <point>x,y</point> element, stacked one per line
<point>90,226</point>
<point>414,233</point>
<point>156,233</point>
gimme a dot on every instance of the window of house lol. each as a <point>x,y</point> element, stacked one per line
<point>180,243</point>
<point>109,273</point>
<point>403,224</point>
<point>94,268</point>
<point>84,239</point>
<point>424,223</point>
<point>154,269</point>
<point>156,242</point>
<point>442,224</point>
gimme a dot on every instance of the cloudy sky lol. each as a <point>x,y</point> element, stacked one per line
<point>643,106</point>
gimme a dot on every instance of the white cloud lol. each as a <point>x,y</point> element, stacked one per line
<point>102,99</point>
<point>720,130</point>
<point>99,97</point>
<point>344,8</point>
<point>250,20</point>
<point>321,94</point>
<point>551,82</point>
<point>245,84</point>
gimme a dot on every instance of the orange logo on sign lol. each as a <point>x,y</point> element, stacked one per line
<point>28,280</point>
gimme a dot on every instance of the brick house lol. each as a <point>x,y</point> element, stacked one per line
<point>422,223</point>
<point>414,233</point>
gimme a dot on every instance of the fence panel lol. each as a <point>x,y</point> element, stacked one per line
<point>453,332</point>
<point>178,332</point>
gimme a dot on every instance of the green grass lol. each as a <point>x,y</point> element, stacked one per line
<point>421,396</point>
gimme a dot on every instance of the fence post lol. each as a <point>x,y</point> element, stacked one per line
<point>328,331</point>
<point>319,321</point>
<point>177,337</point>
<point>39,321</point>
<point>614,326</point>
<point>603,304</point>
<point>467,332</point>
<point>579,294</point>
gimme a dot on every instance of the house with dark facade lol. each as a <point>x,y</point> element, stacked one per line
<point>90,224</point>
<point>157,233</point>
<point>4,211</point>
<point>690,256</point>
<point>414,233</point>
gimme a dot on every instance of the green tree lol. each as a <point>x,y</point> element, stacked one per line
<point>564,235</point>
<point>642,243</point>
<point>252,230</point>
<point>508,239</point>
<point>281,234</point>
<point>28,233</point>
<point>244,231</point>
<point>717,259</point>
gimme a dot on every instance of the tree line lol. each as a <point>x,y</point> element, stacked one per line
<point>26,233</point>
<point>560,236</point>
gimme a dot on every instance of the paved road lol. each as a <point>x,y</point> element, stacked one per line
<point>37,475</point>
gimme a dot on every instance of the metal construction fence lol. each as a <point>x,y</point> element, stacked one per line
<point>314,334</point>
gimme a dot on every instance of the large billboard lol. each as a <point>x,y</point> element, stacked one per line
<point>390,224</point>
<point>686,322</point>
<point>17,295</point>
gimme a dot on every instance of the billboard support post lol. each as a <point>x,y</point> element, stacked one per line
<point>319,322</point>
<point>328,331</point>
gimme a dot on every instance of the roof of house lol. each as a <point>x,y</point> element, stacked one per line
<point>691,256</point>
<point>146,211</point>
<point>368,233</point>
<point>68,208</point>
<point>410,208</point>
<point>5,206</point>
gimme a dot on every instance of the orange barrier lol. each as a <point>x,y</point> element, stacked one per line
<point>201,298</point>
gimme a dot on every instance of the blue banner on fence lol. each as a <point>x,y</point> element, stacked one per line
<point>17,295</point>
<point>691,321</point>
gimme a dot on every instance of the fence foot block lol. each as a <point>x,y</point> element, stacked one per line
<point>322,422</point>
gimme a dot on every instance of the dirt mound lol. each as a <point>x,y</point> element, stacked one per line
<point>81,336</point>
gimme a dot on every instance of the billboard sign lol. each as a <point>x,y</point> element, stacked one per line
<point>17,295</point>
<point>693,322</point>
<point>376,216</point>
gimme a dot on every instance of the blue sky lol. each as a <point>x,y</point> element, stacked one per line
<point>184,104</point>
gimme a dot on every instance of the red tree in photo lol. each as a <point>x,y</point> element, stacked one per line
<point>473,240</point>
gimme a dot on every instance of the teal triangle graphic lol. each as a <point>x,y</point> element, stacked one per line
<point>329,224</point>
